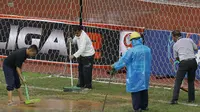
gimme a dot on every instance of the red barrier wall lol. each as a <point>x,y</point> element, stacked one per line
<point>119,12</point>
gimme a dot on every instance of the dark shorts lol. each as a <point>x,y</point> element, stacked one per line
<point>11,77</point>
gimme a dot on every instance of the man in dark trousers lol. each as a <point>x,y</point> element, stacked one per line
<point>85,55</point>
<point>183,50</point>
<point>137,61</point>
<point>12,67</point>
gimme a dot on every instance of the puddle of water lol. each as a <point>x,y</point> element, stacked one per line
<point>54,105</point>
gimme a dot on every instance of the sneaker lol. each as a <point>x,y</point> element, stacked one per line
<point>85,90</point>
<point>173,102</point>
<point>88,86</point>
<point>78,85</point>
<point>146,109</point>
<point>190,101</point>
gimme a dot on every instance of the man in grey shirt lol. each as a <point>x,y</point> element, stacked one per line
<point>183,50</point>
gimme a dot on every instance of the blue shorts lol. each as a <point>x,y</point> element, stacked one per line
<point>11,77</point>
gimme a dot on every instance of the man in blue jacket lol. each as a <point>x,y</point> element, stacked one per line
<point>138,64</point>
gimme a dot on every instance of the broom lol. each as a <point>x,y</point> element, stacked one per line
<point>111,73</point>
<point>72,88</point>
<point>28,100</point>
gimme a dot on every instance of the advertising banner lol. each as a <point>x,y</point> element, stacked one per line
<point>51,38</point>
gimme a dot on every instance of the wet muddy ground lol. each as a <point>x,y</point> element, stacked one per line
<point>53,105</point>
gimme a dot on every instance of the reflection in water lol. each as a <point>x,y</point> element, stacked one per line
<point>53,105</point>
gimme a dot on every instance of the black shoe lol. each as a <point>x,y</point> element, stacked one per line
<point>190,101</point>
<point>146,109</point>
<point>173,102</point>
<point>78,85</point>
<point>88,86</point>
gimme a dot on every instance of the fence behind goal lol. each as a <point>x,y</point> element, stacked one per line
<point>48,24</point>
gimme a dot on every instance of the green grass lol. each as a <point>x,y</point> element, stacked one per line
<point>118,99</point>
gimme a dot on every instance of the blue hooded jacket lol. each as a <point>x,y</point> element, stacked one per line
<point>138,64</point>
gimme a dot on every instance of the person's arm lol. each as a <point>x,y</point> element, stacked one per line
<point>123,61</point>
<point>175,53</point>
<point>18,64</point>
<point>82,47</point>
<point>177,58</point>
<point>194,45</point>
<point>74,41</point>
<point>19,72</point>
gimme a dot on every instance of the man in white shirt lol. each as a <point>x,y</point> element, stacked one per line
<point>85,56</point>
<point>183,50</point>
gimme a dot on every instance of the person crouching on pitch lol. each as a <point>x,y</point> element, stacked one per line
<point>12,67</point>
<point>85,56</point>
<point>138,64</point>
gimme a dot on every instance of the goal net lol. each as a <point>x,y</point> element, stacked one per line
<point>48,24</point>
